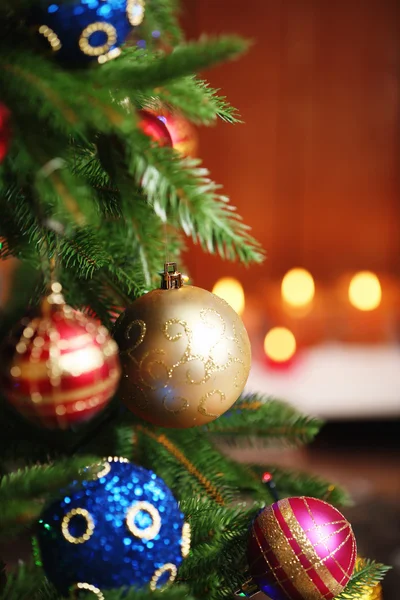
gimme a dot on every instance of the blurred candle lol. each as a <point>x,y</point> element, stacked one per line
<point>230,290</point>
<point>279,344</point>
<point>365,292</point>
<point>298,287</point>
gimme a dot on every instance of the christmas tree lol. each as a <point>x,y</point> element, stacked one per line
<point>95,192</point>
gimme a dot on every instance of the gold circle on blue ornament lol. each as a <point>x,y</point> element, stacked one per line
<point>112,557</point>
<point>160,572</point>
<point>147,533</point>
<point>72,28</point>
<point>66,523</point>
<point>106,468</point>
<point>186,539</point>
<point>135,11</point>
<point>51,37</point>
<point>88,588</point>
<point>86,45</point>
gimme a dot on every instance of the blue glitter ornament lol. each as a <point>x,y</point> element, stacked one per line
<point>84,30</point>
<point>122,529</point>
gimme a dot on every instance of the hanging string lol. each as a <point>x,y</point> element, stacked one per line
<point>166,242</point>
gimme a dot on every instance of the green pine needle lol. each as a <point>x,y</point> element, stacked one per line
<point>290,482</point>
<point>171,593</point>
<point>23,583</point>
<point>180,190</point>
<point>192,97</point>
<point>143,70</point>
<point>367,574</point>
<point>22,493</point>
<point>265,418</point>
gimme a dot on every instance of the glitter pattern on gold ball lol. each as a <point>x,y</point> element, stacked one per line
<point>185,356</point>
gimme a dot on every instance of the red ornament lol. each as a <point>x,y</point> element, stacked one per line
<point>182,132</point>
<point>64,368</point>
<point>155,128</point>
<point>5,131</point>
<point>301,549</point>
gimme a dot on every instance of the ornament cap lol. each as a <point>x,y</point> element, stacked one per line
<point>54,299</point>
<point>171,278</point>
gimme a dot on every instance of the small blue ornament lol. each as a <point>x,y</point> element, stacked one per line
<point>84,30</point>
<point>122,529</point>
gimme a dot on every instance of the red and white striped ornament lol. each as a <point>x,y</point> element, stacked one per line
<point>301,549</point>
<point>64,368</point>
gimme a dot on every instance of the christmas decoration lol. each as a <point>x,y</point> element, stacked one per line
<point>155,128</point>
<point>80,31</point>
<point>302,549</point>
<point>368,593</point>
<point>122,529</point>
<point>5,131</point>
<point>183,134</point>
<point>185,354</point>
<point>63,367</point>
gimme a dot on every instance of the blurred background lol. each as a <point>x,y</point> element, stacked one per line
<point>315,172</point>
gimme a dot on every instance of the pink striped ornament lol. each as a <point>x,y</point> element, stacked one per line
<point>301,549</point>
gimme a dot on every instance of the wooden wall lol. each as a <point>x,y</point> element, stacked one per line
<point>316,168</point>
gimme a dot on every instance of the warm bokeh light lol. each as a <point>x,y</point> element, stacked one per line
<point>365,292</point>
<point>298,287</point>
<point>230,290</point>
<point>279,344</point>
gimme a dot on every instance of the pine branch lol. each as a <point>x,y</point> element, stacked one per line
<point>217,562</point>
<point>40,91</point>
<point>190,463</point>
<point>144,71</point>
<point>39,480</point>
<point>208,520</point>
<point>19,516</point>
<point>147,239</point>
<point>46,592</point>
<point>23,583</point>
<point>293,483</point>
<point>160,452</point>
<point>258,416</point>
<point>16,443</point>
<point>161,18</point>
<point>66,197</point>
<point>194,98</point>
<point>18,225</point>
<point>181,189</point>
<point>170,593</point>
<point>112,439</point>
<point>367,574</point>
<point>20,491</point>
<point>134,237</point>
<point>85,164</point>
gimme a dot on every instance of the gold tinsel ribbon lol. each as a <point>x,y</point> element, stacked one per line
<point>176,453</point>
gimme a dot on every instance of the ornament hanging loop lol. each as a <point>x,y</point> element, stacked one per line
<point>171,278</point>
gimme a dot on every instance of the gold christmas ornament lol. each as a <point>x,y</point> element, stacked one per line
<point>366,592</point>
<point>185,354</point>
